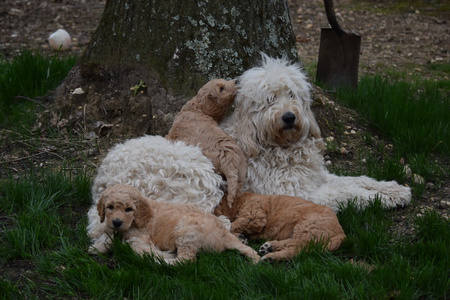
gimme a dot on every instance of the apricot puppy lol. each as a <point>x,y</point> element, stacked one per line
<point>154,226</point>
<point>197,124</point>
<point>290,223</point>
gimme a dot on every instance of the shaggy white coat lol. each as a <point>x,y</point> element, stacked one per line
<point>275,127</point>
<point>161,169</point>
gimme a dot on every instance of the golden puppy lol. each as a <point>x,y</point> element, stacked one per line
<point>290,223</point>
<point>197,124</point>
<point>181,228</point>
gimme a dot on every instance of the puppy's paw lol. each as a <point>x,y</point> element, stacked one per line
<point>267,258</point>
<point>92,250</point>
<point>226,222</point>
<point>243,239</point>
<point>96,249</point>
<point>265,248</point>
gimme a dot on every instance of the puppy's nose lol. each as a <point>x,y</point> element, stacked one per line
<point>117,223</point>
<point>288,118</point>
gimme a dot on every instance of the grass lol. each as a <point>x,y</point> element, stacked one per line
<point>414,115</point>
<point>43,239</point>
<point>28,76</point>
<point>47,231</point>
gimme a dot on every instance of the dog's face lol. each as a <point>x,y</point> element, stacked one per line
<point>119,214</point>
<point>216,97</point>
<point>121,207</point>
<point>275,100</point>
<point>282,112</point>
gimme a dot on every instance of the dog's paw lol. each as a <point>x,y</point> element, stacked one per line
<point>243,239</point>
<point>226,222</point>
<point>92,250</point>
<point>265,248</point>
<point>96,249</point>
<point>266,258</point>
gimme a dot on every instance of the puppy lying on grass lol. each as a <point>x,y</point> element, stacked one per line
<point>290,223</point>
<point>197,124</point>
<point>153,226</point>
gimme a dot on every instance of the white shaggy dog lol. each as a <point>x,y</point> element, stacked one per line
<point>275,127</point>
<point>161,169</point>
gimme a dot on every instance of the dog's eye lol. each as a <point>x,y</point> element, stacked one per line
<point>271,99</point>
<point>110,207</point>
<point>221,89</point>
<point>128,209</point>
<point>291,95</point>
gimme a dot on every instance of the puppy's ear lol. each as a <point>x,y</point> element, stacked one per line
<point>143,212</point>
<point>222,208</point>
<point>212,97</point>
<point>101,208</point>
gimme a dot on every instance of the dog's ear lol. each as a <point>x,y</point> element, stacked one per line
<point>143,212</point>
<point>101,208</point>
<point>314,128</point>
<point>222,208</point>
<point>247,143</point>
<point>215,92</point>
<point>247,134</point>
<point>212,97</point>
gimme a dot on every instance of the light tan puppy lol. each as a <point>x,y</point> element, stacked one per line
<point>290,223</point>
<point>197,124</point>
<point>151,226</point>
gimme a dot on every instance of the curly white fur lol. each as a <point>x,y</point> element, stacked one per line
<point>165,170</point>
<point>274,125</point>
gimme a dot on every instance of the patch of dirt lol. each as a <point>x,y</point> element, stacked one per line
<point>27,24</point>
<point>407,41</point>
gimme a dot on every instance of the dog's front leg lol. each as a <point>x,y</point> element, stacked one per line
<point>102,244</point>
<point>139,245</point>
<point>250,220</point>
<point>142,246</point>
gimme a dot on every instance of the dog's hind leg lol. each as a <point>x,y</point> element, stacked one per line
<point>280,250</point>
<point>329,233</point>
<point>335,242</point>
<point>186,247</point>
<point>234,167</point>
<point>232,185</point>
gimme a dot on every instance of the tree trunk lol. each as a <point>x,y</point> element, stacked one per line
<point>148,57</point>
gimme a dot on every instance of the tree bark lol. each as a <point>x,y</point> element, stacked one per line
<point>148,57</point>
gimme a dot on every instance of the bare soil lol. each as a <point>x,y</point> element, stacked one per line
<point>407,40</point>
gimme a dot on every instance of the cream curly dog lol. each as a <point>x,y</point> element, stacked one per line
<point>290,223</point>
<point>164,170</point>
<point>197,125</point>
<point>177,228</point>
<point>273,124</point>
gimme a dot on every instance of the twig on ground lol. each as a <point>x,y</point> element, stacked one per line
<point>33,100</point>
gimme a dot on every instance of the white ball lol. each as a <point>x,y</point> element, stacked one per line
<point>59,40</point>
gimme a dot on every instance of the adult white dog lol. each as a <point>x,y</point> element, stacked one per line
<point>275,127</point>
<point>160,169</point>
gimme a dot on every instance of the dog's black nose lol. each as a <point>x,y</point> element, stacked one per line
<point>117,223</point>
<point>288,118</point>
